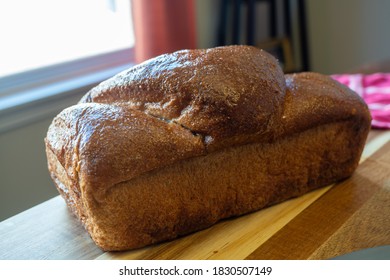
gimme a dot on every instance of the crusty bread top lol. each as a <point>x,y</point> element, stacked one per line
<point>225,94</point>
<point>188,104</point>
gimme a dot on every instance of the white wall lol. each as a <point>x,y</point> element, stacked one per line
<point>345,34</point>
<point>24,178</point>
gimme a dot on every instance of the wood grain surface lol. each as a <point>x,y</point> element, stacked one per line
<point>332,221</point>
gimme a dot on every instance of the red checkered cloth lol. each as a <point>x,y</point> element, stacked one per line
<point>375,90</point>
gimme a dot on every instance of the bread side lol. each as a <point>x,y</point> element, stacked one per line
<point>198,192</point>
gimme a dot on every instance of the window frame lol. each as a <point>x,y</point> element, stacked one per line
<point>30,79</point>
<point>42,92</point>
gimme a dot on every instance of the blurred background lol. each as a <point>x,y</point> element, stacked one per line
<point>53,51</point>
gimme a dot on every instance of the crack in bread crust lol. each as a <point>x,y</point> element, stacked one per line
<point>222,93</point>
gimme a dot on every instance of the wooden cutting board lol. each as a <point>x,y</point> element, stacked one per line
<point>331,221</point>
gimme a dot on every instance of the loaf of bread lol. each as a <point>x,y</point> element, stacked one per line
<point>179,142</point>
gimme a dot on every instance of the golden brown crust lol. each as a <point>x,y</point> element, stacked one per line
<point>219,93</point>
<point>313,99</point>
<point>186,139</point>
<point>109,144</point>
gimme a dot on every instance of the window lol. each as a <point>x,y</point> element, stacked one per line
<point>44,32</point>
<point>56,45</point>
